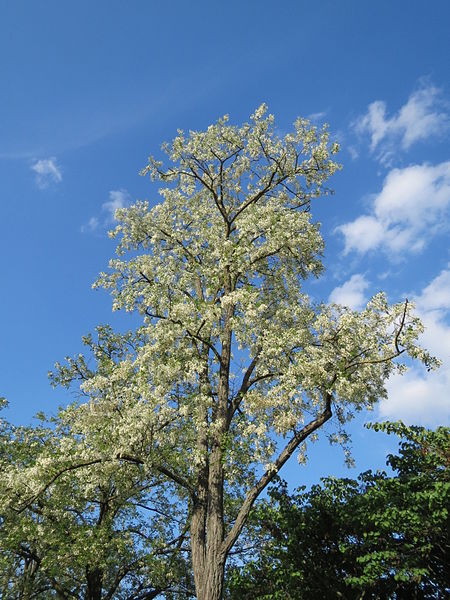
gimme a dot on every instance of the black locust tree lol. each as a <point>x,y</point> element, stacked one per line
<point>236,366</point>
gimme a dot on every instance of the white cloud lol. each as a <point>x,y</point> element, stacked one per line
<point>354,154</point>
<point>117,199</point>
<point>90,226</point>
<point>410,208</point>
<point>351,293</point>
<point>317,116</point>
<point>417,399</point>
<point>418,396</point>
<point>436,295</point>
<point>47,171</point>
<point>423,116</point>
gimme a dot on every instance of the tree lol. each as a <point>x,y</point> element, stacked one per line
<point>235,368</point>
<point>75,531</point>
<point>379,537</point>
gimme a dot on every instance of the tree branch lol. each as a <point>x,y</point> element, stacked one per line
<point>402,324</point>
<point>272,472</point>
<point>55,477</point>
<point>178,479</point>
<point>257,196</point>
<point>190,334</point>
<point>243,389</point>
<point>217,202</point>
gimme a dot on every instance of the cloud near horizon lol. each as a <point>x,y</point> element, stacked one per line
<point>47,171</point>
<point>409,210</point>
<point>423,116</point>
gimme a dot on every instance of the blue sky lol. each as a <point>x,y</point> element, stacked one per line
<point>90,89</point>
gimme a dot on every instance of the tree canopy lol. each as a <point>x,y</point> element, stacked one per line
<point>69,529</point>
<point>381,536</point>
<point>233,366</point>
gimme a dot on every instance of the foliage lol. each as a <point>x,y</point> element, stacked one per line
<point>83,532</point>
<point>233,366</point>
<point>379,537</point>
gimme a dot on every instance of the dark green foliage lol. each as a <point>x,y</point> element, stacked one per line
<point>379,537</point>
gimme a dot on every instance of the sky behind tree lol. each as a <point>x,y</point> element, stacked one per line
<point>89,90</point>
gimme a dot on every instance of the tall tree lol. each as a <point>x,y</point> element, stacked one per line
<point>380,537</point>
<point>236,367</point>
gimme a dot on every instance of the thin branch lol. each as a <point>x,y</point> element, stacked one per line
<point>375,361</point>
<point>55,477</point>
<point>190,334</point>
<point>161,469</point>
<point>257,196</point>
<point>177,541</point>
<point>402,324</point>
<point>267,255</point>
<point>177,241</point>
<point>265,376</point>
<point>217,202</point>
<point>234,405</point>
<point>176,479</point>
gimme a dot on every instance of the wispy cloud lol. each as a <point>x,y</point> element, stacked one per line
<point>410,208</point>
<point>354,154</point>
<point>419,396</point>
<point>424,115</point>
<point>90,226</point>
<point>351,293</point>
<point>317,116</point>
<point>47,171</point>
<point>117,199</point>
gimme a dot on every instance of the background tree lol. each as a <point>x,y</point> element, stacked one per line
<point>78,531</point>
<point>379,537</point>
<point>235,367</point>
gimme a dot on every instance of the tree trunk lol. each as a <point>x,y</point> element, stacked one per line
<point>94,579</point>
<point>207,525</point>
<point>210,582</point>
<point>207,533</point>
<point>31,566</point>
